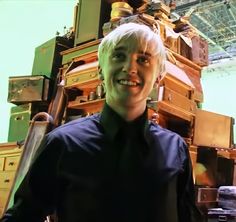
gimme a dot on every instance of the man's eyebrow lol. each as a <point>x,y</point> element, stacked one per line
<point>121,48</point>
<point>145,53</point>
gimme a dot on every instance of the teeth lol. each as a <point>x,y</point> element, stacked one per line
<point>128,83</point>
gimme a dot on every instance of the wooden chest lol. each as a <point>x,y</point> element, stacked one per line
<point>9,159</point>
<point>199,52</point>
<point>171,111</point>
<point>177,80</point>
<point>25,89</point>
<point>47,58</point>
<point>206,195</point>
<point>184,48</point>
<point>81,75</point>
<point>213,129</point>
<point>193,72</point>
<point>176,99</point>
<point>171,43</point>
<point>80,51</point>
<point>20,118</point>
<point>84,80</point>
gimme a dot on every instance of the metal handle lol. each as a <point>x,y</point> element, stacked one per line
<point>42,116</point>
<point>222,218</point>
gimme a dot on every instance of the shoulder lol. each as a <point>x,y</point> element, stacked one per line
<point>165,135</point>
<point>77,131</point>
<point>170,143</point>
<point>81,124</point>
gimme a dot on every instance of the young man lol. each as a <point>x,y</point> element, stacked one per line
<point>115,166</point>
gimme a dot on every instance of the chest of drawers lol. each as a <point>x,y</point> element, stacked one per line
<point>9,159</point>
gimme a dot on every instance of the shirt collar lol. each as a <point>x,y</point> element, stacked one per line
<point>113,122</point>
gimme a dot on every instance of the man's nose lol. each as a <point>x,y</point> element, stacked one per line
<point>130,66</point>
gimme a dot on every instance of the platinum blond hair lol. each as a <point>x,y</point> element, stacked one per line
<point>145,37</point>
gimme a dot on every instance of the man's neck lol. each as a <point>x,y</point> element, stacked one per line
<point>128,113</point>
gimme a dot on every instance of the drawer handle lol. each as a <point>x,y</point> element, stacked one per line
<point>18,118</point>
<point>222,218</point>
<point>11,163</point>
<point>6,181</point>
<point>75,79</point>
<point>93,74</point>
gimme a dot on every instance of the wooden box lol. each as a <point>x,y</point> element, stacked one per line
<point>206,195</point>
<point>25,89</point>
<point>47,58</point>
<point>213,129</point>
<point>171,43</point>
<point>171,111</point>
<point>9,160</point>
<point>184,48</point>
<point>82,75</point>
<point>20,118</point>
<point>90,15</point>
<point>176,79</point>
<point>86,51</point>
<point>199,52</point>
<point>192,72</point>
<point>176,99</point>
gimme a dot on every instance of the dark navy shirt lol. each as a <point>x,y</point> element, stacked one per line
<point>101,168</point>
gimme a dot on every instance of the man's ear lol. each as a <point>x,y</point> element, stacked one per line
<point>100,74</point>
<point>155,85</point>
<point>159,77</point>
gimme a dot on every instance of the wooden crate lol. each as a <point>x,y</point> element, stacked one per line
<point>213,129</point>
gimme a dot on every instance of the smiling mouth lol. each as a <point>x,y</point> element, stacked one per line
<point>128,82</point>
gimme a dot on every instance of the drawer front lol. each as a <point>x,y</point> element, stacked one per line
<point>206,195</point>
<point>3,197</point>
<point>80,51</point>
<point>199,52</point>
<point>11,163</point>
<point>172,44</point>
<point>177,86</point>
<point>170,110</point>
<point>2,163</point>
<point>1,211</point>
<point>24,89</point>
<point>79,78</point>
<point>6,179</point>
<point>221,215</point>
<point>176,99</point>
<point>212,129</point>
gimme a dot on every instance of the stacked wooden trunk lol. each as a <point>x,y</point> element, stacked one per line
<point>9,159</point>
<point>31,95</point>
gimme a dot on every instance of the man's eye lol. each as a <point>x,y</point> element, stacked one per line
<point>143,60</point>
<point>118,56</point>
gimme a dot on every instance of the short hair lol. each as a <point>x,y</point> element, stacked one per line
<point>144,36</point>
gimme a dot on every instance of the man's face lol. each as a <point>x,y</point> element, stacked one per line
<point>129,74</point>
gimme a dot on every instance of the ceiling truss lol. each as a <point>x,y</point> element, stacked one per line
<point>216,22</point>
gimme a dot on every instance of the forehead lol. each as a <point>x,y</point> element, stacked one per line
<point>133,44</point>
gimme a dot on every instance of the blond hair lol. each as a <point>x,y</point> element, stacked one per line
<point>145,37</point>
